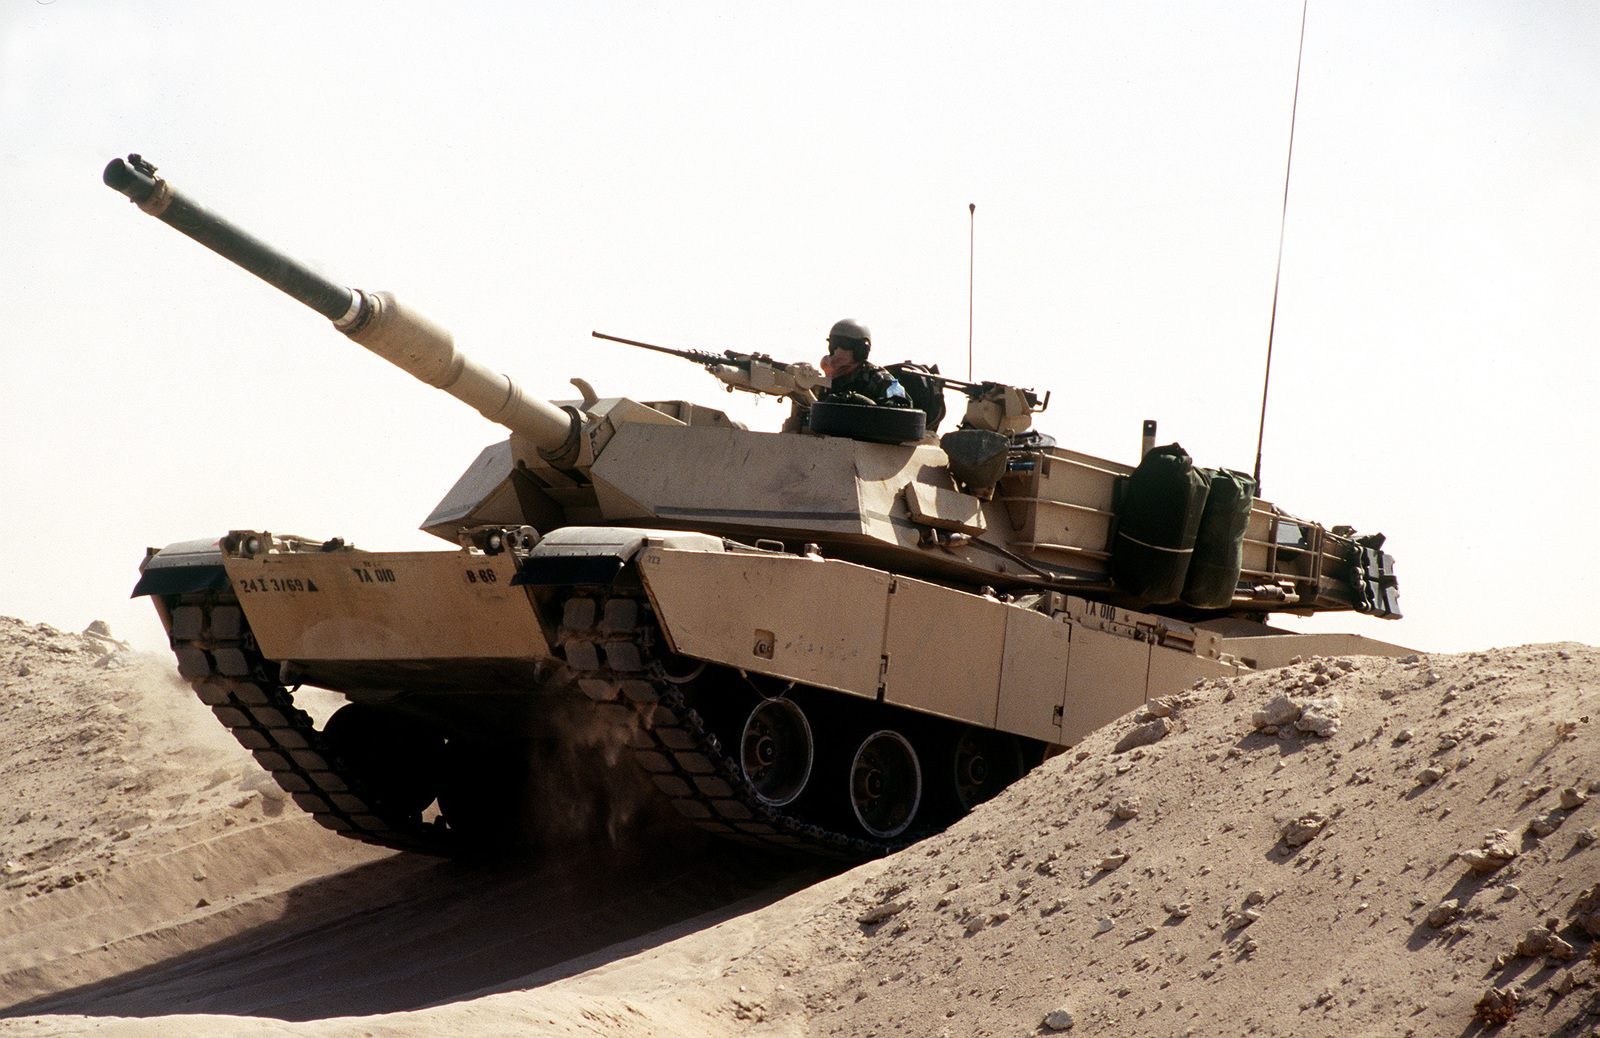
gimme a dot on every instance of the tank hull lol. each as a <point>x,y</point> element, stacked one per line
<point>741,685</point>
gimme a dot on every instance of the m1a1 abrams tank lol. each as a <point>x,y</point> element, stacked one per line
<point>836,637</point>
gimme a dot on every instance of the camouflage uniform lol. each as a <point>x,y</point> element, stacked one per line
<point>868,384</point>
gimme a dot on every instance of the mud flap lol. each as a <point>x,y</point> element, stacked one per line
<point>180,580</point>
<point>182,569</point>
<point>597,554</point>
<point>554,570</point>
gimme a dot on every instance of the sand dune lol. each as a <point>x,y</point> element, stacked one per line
<point>1352,847</point>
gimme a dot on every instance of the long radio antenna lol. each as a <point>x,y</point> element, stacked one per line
<point>1272,324</point>
<point>972,233</point>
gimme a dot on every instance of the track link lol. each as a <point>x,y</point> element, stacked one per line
<point>218,656</point>
<point>613,645</point>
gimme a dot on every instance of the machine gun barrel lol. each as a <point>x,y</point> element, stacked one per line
<point>750,372</point>
<point>399,334</point>
<point>698,356</point>
<point>976,389</point>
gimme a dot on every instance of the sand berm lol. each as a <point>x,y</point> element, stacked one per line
<point>1347,846</point>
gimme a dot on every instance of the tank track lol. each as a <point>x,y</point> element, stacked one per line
<point>218,656</point>
<point>611,643</point>
<point>613,646</point>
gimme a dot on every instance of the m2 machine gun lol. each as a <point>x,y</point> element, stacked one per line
<point>750,372</point>
<point>991,406</point>
<point>822,639</point>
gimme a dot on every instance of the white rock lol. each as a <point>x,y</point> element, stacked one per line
<point>878,913</point>
<point>1443,912</point>
<point>1059,1020</point>
<point>1302,829</point>
<point>1144,735</point>
<point>1496,851</point>
<point>1279,711</point>
<point>1319,716</point>
<point>1535,942</point>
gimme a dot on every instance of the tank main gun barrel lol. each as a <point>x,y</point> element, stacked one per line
<point>155,196</point>
<point>399,334</point>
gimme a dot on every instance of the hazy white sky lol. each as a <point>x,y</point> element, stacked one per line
<point>742,175</point>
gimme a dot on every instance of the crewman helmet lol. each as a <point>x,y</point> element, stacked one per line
<point>851,335</point>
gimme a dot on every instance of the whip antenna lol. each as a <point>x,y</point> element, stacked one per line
<point>972,229</point>
<point>1272,324</point>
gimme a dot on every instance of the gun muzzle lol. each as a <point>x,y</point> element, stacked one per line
<point>136,179</point>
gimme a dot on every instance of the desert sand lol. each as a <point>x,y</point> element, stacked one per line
<point>1353,846</point>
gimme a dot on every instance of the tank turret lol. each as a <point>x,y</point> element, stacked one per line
<point>834,637</point>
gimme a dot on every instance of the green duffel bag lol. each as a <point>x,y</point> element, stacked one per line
<point>1219,545</point>
<point>1157,523</point>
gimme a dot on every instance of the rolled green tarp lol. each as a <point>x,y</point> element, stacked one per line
<point>1157,523</point>
<point>1219,544</point>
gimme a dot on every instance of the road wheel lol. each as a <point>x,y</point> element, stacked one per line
<point>776,751</point>
<point>885,784</point>
<point>981,763</point>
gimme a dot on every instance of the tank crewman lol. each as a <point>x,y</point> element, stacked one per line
<point>855,379</point>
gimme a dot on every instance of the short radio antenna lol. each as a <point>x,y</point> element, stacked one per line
<point>1272,324</point>
<point>972,231</point>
